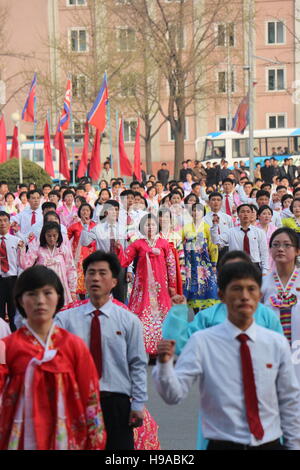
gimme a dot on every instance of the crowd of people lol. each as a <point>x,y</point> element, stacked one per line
<point>96,282</point>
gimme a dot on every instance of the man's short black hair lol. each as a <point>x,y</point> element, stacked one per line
<point>110,258</point>
<point>261,193</point>
<point>37,277</point>
<point>281,186</point>
<point>115,183</point>
<point>80,187</point>
<point>47,205</point>
<point>264,185</point>
<point>126,192</point>
<point>46,185</point>
<point>235,271</point>
<point>4,214</point>
<point>215,194</point>
<point>33,191</point>
<point>133,183</point>
<point>244,205</point>
<point>228,180</point>
<point>195,184</point>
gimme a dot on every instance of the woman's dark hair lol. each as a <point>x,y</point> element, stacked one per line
<point>285,197</point>
<point>45,220</point>
<point>110,258</point>
<point>81,199</point>
<point>234,254</point>
<point>144,219</point>
<point>164,199</point>
<point>66,193</point>
<point>50,226</point>
<point>189,196</point>
<point>161,212</point>
<point>236,271</point>
<point>103,181</point>
<point>176,192</point>
<point>37,277</point>
<point>9,194</point>
<point>293,236</point>
<point>53,193</point>
<point>103,189</point>
<point>293,203</point>
<point>22,194</point>
<point>150,188</point>
<point>254,190</point>
<point>85,204</point>
<point>263,208</point>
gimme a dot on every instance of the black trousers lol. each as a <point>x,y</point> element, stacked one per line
<point>222,252</point>
<point>7,285</point>
<point>120,291</point>
<point>226,445</point>
<point>116,409</point>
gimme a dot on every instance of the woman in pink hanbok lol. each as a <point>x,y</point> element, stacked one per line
<point>264,216</point>
<point>68,211</point>
<point>53,254</point>
<point>154,282</point>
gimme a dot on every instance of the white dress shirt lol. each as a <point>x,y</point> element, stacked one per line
<point>24,219</point>
<point>213,356</point>
<point>101,234</point>
<point>225,220</point>
<point>234,238</point>
<point>11,243</point>
<point>124,360</point>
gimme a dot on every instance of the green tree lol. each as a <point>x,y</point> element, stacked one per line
<point>32,173</point>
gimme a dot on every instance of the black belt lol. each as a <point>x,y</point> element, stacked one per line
<point>6,277</point>
<point>236,446</point>
<point>112,394</point>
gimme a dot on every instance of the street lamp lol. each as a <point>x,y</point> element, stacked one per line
<point>15,117</point>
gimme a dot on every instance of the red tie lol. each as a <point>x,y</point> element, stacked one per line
<point>246,245</point>
<point>250,389</point>
<point>112,247</point>
<point>218,225</point>
<point>95,343</point>
<point>129,219</point>
<point>3,256</point>
<point>33,218</point>
<point>227,205</point>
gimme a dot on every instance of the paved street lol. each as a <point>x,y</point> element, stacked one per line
<point>177,423</point>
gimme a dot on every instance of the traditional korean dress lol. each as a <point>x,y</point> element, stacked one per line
<point>175,240</point>
<point>60,259</point>
<point>285,301</point>
<point>80,252</point>
<point>50,394</point>
<point>67,216</point>
<point>201,256</point>
<point>155,273</point>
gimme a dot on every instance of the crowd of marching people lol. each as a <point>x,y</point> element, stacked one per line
<point>97,282</point>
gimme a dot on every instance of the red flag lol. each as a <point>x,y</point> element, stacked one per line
<point>63,159</point>
<point>47,151</point>
<point>14,151</point>
<point>66,112</point>
<point>95,165</point>
<point>137,154</point>
<point>28,110</point>
<point>84,156</point>
<point>97,115</point>
<point>3,148</point>
<point>125,165</point>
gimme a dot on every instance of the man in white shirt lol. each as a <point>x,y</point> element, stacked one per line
<point>31,215</point>
<point>246,238</point>
<point>249,393</point>
<point>9,269</point>
<point>231,199</point>
<point>120,357</point>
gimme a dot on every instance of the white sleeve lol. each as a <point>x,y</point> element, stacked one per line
<point>86,237</point>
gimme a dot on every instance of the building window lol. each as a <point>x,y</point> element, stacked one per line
<point>222,124</point>
<point>126,39</point>
<point>226,34</point>
<point>277,121</point>
<point>275,32</point>
<point>79,86</point>
<point>276,79</point>
<point>72,3</point>
<point>78,40</point>
<point>172,135</point>
<point>223,82</point>
<point>129,130</point>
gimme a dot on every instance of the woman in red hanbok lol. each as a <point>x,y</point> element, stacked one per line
<point>85,213</point>
<point>154,282</point>
<point>49,384</point>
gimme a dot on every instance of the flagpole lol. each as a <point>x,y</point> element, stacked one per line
<point>109,125</point>
<point>117,136</point>
<point>34,128</point>
<point>72,145</point>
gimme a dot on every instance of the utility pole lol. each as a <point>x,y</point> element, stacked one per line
<point>251,88</point>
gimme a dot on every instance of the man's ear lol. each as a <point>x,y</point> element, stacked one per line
<point>115,282</point>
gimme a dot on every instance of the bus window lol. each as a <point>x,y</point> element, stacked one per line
<point>208,149</point>
<point>239,148</point>
<point>277,145</point>
<point>214,149</point>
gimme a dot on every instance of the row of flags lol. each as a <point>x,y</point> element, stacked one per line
<point>96,117</point>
